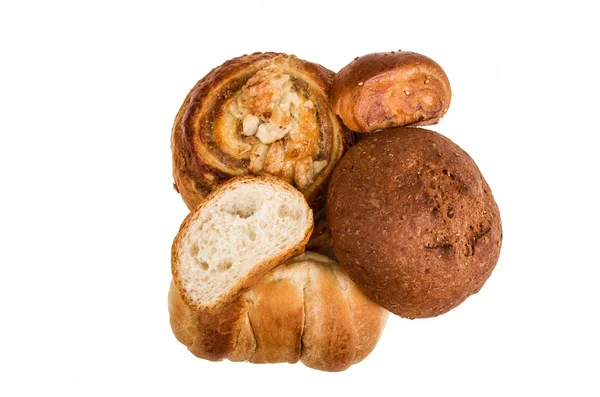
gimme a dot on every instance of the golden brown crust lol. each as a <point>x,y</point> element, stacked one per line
<point>257,271</point>
<point>209,147</point>
<point>245,342</point>
<point>365,315</point>
<point>330,338</point>
<point>207,334</point>
<point>391,89</point>
<point>306,309</point>
<point>413,221</point>
<point>277,319</point>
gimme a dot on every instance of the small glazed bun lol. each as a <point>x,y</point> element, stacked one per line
<point>413,221</point>
<point>391,89</point>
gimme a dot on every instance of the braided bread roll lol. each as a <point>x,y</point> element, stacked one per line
<point>305,310</point>
<point>255,114</point>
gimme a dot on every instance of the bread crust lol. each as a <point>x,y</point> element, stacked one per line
<point>413,221</point>
<point>390,89</point>
<point>201,160</point>
<point>305,310</point>
<point>207,334</point>
<point>259,269</point>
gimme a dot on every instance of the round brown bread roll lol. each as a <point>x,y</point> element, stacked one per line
<point>390,89</point>
<point>413,221</point>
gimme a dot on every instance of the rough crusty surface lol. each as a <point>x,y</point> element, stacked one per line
<point>264,113</point>
<point>305,310</point>
<point>413,221</point>
<point>243,229</point>
<point>391,89</point>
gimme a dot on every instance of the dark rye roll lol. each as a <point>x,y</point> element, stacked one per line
<point>264,113</point>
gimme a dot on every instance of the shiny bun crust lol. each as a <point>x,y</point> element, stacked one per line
<point>391,89</point>
<point>413,222</point>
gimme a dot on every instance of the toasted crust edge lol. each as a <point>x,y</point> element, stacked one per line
<point>260,269</point>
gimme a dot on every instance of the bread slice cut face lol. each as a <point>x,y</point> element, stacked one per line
<point>243,229</point>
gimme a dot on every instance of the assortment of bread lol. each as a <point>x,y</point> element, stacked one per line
<point>263,157</point>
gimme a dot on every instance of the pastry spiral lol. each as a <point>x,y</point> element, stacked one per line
<point>259,113</point>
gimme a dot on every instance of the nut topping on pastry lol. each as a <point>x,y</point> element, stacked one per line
<point>255,114</point>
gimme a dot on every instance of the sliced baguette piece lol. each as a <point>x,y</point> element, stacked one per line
<point>244,228</point>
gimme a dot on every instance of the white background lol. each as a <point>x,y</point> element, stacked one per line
<point>88,94</point>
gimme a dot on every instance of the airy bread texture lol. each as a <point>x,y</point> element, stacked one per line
<point>243,229</point>
<point>305,310</point>
<point>390,89</point>
<point>413,221</point>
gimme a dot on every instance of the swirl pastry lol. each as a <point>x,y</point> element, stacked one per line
<point>256,114</point>
<point>391,89</point>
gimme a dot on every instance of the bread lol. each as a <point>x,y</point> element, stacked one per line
<point>320,237</point>
<point>413,221</point>
<point>243,229</point>
<point>306,310</point>
<point>265,113</point>
<point>391,89</point>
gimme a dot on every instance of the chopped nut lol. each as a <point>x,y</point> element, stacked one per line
<point>319,166</point>
<point>274,158</point>
<point>294,111</point>
<point>360,83</point>
<point>287,99</point>
<point>262,91</point>
<point>257,158</point>
<point>269,133</point>
<point>305,141</point>
<point>251,123</point>
<point>292,128</point>
<point>426,81</point>
<point>235,110</point>
<point>407,92</point>
<point>280,118</point>
<point>287,173</point>
<point>304,172</point>
<point>281,82</point>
